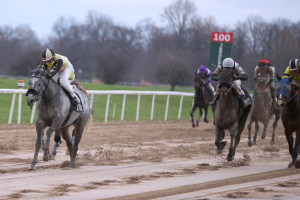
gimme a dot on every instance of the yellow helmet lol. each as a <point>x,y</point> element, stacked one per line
<point>48,55</point>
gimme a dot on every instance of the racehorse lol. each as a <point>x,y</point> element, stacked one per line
<point>57,136</point>
<point>202,97</point>
<point>229,114</point>
<point>262,111</point>
<point>54,111</point>
<point>289,102</point>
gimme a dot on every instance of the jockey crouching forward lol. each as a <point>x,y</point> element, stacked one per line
<point>228,65</point>
<point>59,65</point>
<point>205,76</point>
<point>265,69</point>
<point>293,69</point>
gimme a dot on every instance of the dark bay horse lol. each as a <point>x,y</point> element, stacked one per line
<point>52,111</point>
<point>262,110</point>
<point>202,98</point>
<point>289,102</point>
<point>229,115</point>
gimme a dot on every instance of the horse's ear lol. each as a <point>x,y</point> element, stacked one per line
<point>30,72</point>
<point>278,77</point>
<point>291,78</point>
<point>196,74</point>
<point>38,62</point>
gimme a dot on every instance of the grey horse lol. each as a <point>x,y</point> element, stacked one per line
<point>262,111</point>
<point>52,111</point>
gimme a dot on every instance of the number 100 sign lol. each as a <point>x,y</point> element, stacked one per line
<point>221,37</point>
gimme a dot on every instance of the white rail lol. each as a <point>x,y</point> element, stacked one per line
<point>105,92</point>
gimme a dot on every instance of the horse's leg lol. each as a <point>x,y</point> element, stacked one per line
<point>80,124</point>
<point>296,147</point>
<point>200,114</point>
<point>73,139</point>
<point>51,129</point>
<point>205,114</point>
<point>277,117</point>
<point>290,140</point>
<point>40,126</point>
<point>192,114</point>
<point>57,141</point>
<point>233,131</point>
<point>256,131</point>
<point>67,138</point>
<point>220,134</point>
<point>240,128</point>
<point>249,130</point>
<point>263,135</point>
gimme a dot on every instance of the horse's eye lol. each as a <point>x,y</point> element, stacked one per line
<point>39,84</point>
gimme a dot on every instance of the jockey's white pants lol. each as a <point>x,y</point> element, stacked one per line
<point>64,78</point>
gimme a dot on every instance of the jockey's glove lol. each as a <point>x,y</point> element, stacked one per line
<point>215,77</point>
<point>242,77</point>
<point>49,76</point>
<point>270,81</point>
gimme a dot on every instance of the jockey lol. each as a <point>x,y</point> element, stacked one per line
<point>228,65</point>
<point>293,69</point>
<point>59,65</point>
<point>265,69</point>
<point>205,76</point>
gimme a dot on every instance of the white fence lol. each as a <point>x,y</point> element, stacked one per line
<point>92,93</point>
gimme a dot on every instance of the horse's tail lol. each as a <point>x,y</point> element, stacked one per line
<point>89,122</point>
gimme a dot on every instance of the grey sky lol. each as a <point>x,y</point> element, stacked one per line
<point>41,14</point>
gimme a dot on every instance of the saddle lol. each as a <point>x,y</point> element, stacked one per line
<point>79,107</point>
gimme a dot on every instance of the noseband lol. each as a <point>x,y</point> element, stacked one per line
<point>34,92</point>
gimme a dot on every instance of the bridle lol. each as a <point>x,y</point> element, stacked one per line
<point>39,94</point>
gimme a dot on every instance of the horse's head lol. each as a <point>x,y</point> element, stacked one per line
<point>225,82</point>
<point>284,90</point>
<point>35,86</point>
<point>261,84</point>
<point>197,82</point>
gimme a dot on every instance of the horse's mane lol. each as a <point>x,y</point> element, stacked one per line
<point>39,72</point>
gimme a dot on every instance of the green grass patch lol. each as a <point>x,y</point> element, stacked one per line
<point>99,104</point>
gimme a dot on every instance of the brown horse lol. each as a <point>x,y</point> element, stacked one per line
<point>202,97</point>
<point>262,110</point>
<point>289,102</point>
<point>229,115</point>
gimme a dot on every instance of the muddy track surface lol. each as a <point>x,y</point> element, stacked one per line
<point>148,160</point>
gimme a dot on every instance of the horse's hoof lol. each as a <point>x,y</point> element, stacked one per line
<point>219,151</point>
<point>272,142</point>
<point>32,167</point>
<point>52,157</point>
<point>263,136</point>
<point>46,157</point>
<point>250,144</point>
<point>229,158</point>
<point>197,124</point>
<point>254,142</point>
<point>67,151</point>
<point>206,121</point>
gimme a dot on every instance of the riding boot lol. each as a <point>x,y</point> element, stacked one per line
<point>76,101</point>
<point>273,98</point>
<point>244,101</point>
<point>213,102</point>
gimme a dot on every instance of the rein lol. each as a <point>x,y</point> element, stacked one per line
<point>39,97</point>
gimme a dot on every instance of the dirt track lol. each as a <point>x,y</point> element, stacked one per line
<point>148,160</point>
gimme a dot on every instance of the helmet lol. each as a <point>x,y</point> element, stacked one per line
<point>228,62</point>
<point>294,64</point>
<point>262,63</point>
<point>48,55</point>
<point>202,69</point>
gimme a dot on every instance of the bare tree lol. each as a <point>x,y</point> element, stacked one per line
<point>174,72</point>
